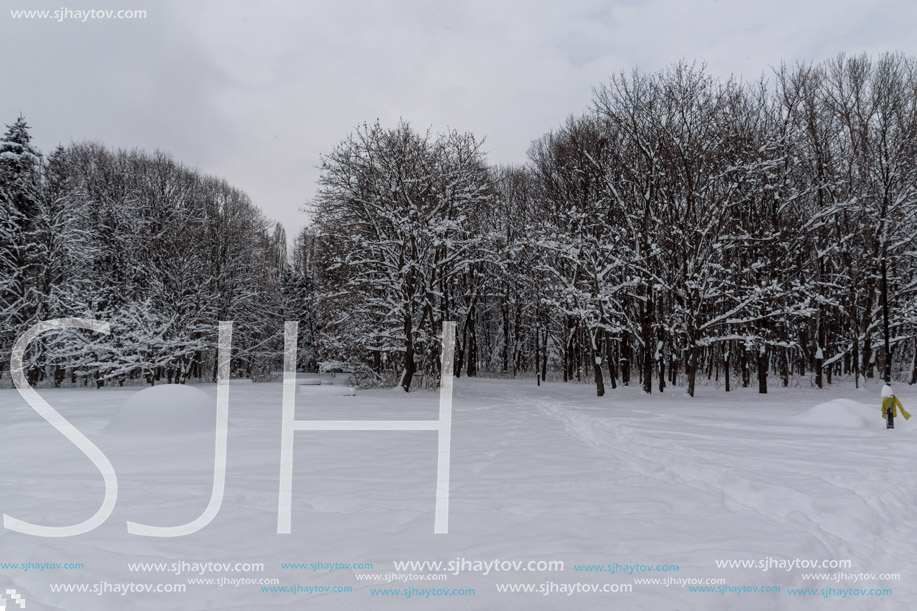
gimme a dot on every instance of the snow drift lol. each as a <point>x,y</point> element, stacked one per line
<point>849,414</point>
<point>169,409</point>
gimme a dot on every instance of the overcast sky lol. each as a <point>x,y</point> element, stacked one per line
<point>256,92</point>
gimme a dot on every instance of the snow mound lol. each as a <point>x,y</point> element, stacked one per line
<point>169,409</point>
<point>848,414</point>
<point>843,413</point>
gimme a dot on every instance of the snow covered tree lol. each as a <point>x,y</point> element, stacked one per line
<point>20,192</point>
<point>391,217</point>
<point>583,248</point>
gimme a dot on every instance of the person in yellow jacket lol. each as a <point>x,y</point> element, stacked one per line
<point>892,403</point>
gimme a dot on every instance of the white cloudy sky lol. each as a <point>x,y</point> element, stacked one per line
<point>255,92</point>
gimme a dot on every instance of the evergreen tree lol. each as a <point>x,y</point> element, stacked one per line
<point>20,191</point>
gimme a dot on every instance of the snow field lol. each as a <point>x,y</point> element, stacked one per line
<point>549,473</point>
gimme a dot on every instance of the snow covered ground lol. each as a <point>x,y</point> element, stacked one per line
<point>538,474</point>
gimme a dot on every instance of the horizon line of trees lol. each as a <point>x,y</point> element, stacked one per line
<point>156,249</point>
<point>684,227</point>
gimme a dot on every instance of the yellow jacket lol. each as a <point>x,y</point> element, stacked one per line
<point>893,403</point>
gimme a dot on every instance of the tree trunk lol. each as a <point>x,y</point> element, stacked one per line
<point>785,367</point>
<point>610,359</point>
<point>472,355</point>
<point>746,373</point>
<point>377,362</point>
<point>599,381</point>
<point>646,330</point>
<point>537,353</point>
<point>819,365</point>
<point>597,342</point>
<point>409,366</point>
<point>577,346</point>
<point>855,357</point>
<point>762,370</point>
<point>692,367</point>
<point>914,365</point>
<point>505,353</point>
<point>544,356</point>
<point>460,351</point>
<point>518,349</point>
<point>866,355</point>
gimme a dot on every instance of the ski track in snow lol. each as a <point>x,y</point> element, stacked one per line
<point>538,473</point>
<point>842,504</point>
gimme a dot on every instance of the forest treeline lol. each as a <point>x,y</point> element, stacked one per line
<point>136,240</point>
<point>685,227</point>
